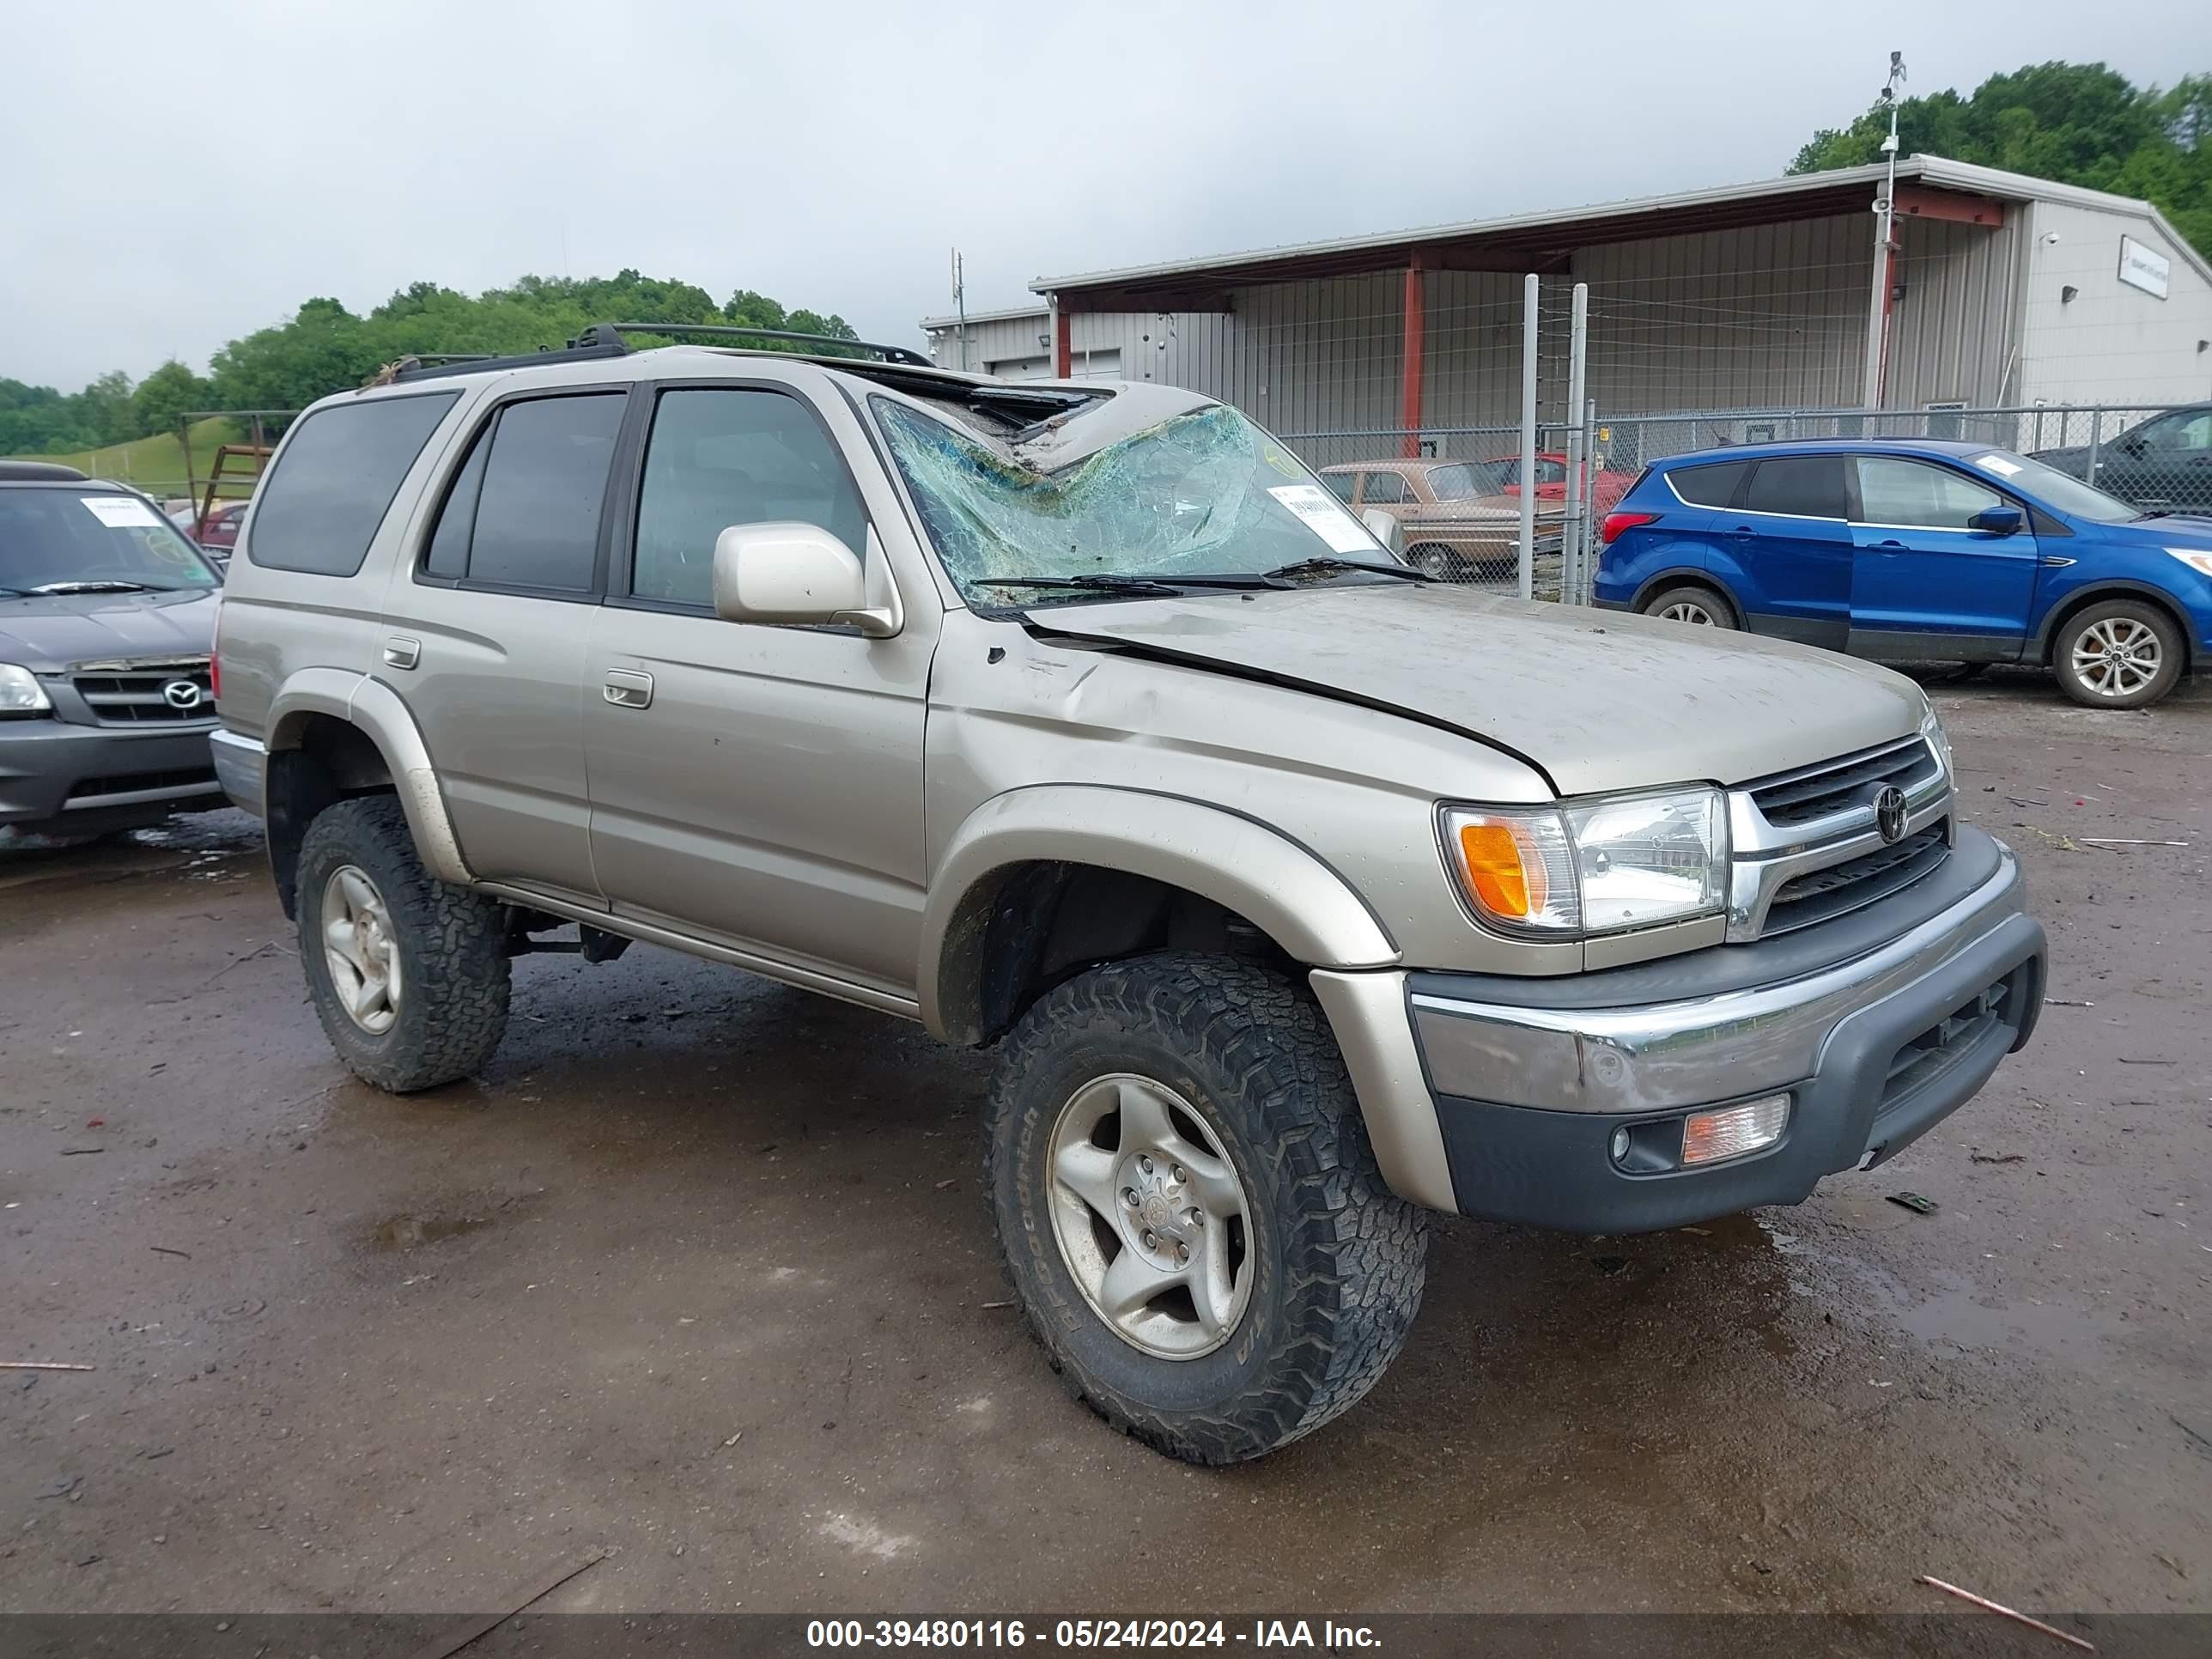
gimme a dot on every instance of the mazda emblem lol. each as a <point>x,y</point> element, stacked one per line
<point>1889,812</point>
<point>181,694</point>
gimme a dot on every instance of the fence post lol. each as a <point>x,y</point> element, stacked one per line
<point>1586,563</point>
<point>1529,324</point>
<point>2096,436</point>
<point>1577,504</point>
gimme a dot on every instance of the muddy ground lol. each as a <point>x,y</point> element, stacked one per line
<point>698,1274</point>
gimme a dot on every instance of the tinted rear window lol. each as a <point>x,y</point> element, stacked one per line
<point>320,507</point>
<point>1709,486</point>
<point>1807,486</point>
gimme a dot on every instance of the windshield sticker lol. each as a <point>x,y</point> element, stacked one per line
<point>1998,465</point>
<point>1282,462</point>
<point>1326,517</point>
<point>120,511</point>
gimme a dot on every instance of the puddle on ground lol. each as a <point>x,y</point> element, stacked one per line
<point>404,1232</point>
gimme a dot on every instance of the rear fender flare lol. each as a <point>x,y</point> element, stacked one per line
<point>375,710</point>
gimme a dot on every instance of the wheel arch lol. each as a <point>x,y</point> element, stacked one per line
<point>995,892</point>
<point>333,735</point>
<point>2073,604</point>
<point>1687,575</point>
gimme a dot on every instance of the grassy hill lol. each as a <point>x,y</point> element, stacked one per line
<point>155,464</point>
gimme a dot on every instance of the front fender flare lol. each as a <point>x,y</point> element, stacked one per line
<point>1279,886</point>
<point>376,710</point>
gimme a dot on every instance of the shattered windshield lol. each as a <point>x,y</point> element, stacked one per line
<point>1203,493</point>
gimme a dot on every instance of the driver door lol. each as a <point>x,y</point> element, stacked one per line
<point>1924,583</point>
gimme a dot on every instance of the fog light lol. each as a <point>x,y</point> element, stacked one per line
<point>1619,1145</point>
<point>1709,1136</point>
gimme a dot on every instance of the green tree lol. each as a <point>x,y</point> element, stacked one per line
<point>2075,123</point>
<point>166,396</point>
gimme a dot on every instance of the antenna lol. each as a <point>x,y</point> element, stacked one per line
<point>960,307</point>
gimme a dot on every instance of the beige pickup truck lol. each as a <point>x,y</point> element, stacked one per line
<point>1299,895</point>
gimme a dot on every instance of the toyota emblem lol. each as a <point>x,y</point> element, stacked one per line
<point>1889,812</point>
<point>181,694</point>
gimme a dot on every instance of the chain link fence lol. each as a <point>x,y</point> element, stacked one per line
<point>1454,490</point>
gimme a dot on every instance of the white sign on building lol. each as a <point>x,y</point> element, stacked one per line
<point>2140,267</point>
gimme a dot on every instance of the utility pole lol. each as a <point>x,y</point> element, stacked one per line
<point>1885,246</point>
<point>960,307</point>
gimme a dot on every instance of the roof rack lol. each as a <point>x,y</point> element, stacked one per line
<point>606,340</point>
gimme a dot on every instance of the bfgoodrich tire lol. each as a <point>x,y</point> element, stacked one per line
<point>409,975</point>
<point>2122,654</point>
<point>1174,1138</point>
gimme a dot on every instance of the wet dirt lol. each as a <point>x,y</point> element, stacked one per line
<point>697,1273</point>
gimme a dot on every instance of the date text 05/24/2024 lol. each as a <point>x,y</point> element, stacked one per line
<point>1327,1636</point>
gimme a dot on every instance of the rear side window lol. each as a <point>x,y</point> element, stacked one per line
<point>1803,486</point>
<point>320,507</point>
<point>1384,487</point>
<point>1339,484</point>
<point>721,457</point>
<point>1709,486</point>
<point>524,510</point>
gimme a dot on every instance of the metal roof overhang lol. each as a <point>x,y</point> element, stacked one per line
<point>1543,243</point>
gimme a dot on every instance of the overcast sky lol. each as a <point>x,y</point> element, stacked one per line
<point>177,176</point>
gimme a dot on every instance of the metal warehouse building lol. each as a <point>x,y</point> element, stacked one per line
<point>2004,290</point>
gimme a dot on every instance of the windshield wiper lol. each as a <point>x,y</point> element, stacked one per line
<point>96,587</point>
<point>1088,582</point>
<point>1314,567</point>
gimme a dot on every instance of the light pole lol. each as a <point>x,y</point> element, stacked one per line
<point>1885,209</point>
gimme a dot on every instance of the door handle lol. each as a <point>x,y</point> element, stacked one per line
<point>627,688</point>
<point>1893,546</point>
<point>400,652</point>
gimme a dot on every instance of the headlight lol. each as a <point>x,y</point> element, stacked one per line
<point>2196,558</point>
<point>1931,732</point>
<point>1591,867</point>
<point>21,692</point>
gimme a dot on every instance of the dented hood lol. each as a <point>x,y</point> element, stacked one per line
<point>1599,701</point>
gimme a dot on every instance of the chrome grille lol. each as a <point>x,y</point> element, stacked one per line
<point>1820,791</point>
<point>1806,846</point>
<point>1840,889</point>
<point>138,694</point>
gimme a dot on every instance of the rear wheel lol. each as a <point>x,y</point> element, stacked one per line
<point>2123,654</point>
<point>409,975</point>
<point>1692,603</point>
<point>1436,559</point>
<point>1189,1209</point>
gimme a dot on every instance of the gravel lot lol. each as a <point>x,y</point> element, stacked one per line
<point>698,1273</point>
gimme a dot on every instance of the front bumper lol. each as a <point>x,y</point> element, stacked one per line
<point>65,779</point>
<point>1508,1110</point>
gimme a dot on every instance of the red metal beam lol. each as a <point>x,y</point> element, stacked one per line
<point>1919,202</point>
<point>1063,344</point>
<point>1416,321</point>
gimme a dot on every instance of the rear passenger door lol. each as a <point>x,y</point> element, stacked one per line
<point>1785,546</point>
<point>484,636</point>
<point>756,785</point>
<point>1924,583</point>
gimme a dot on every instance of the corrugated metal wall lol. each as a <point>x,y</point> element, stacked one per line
<point>2111,343</point>
<point>1769,316</point>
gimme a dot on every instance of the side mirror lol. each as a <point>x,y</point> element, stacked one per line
<point>797,572</point>
<point>1998,522</point>
<point>1386,529</point>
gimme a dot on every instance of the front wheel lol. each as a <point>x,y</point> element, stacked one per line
<point>1189,1210</point>
<point>2123,654</point>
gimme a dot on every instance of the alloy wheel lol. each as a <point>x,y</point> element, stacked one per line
<point>359,948</point>
<point>1150,1216</point>
<point>2117,656</point>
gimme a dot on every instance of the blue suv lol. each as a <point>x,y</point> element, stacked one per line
<point>1918,551</point>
